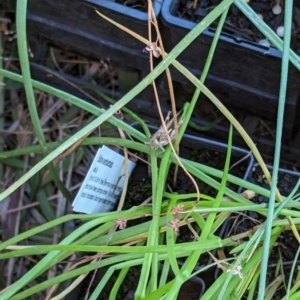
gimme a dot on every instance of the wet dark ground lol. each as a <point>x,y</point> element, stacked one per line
<point>238,25</point>
<point>137,4</point>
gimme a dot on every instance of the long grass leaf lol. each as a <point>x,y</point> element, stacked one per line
<point>280,113</point>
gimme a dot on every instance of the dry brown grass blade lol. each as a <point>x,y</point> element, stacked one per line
<point>152,20</point>
<point>164,125</point>
<point>126,169</point>
<point>135,35</point>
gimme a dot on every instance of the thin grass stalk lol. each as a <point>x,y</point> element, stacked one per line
<point>21,10</point>
<point>87,142</point>
<point>205,72</point>
<point>135,117</point>
<point>151,262</point>
<point>234,280</point>
<point>123,273</point>
<point>42,249</point>
<point>293,269</point>
<point>288,11</point>
<point>154,228</point>
<point>191,261</point>
<point>24,62</point>
<point>164,273</point>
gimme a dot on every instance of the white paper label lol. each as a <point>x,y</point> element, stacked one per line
<point>103,183</point>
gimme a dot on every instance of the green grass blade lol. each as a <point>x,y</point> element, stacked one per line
<point>118,283</point>
<point>211,218</point>
<point>24,62</point>
<point>280,113</point>
<point>171,240</point>
<point>207,65</point>
<point>42,249</point>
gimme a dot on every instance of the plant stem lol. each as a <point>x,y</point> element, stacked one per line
<point>280,113</point>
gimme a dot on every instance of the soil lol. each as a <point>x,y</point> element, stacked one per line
<point>210,157</point>
<point>238,25</point>
<point>137,4</point>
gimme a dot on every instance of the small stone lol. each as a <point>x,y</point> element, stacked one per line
<point>265,43</point>
<point>280,31</point>
<point>276,9</point>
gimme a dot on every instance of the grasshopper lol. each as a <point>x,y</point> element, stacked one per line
<point>160,138</point>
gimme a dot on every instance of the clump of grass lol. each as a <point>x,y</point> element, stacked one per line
<point>54,155</point>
